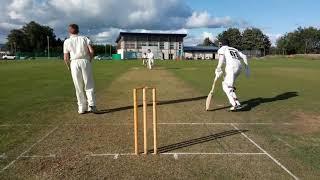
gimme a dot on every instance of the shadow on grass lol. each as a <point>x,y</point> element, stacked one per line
<point>169,68</point>
<point>177,101</point>
<point>196,141</point>
<point>253,103</point>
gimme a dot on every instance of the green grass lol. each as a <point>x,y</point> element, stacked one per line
<point>271,78</point>
<point>41,93</point>
<point>268,79</point>
<point>38,92</point>
<point>30,87</point>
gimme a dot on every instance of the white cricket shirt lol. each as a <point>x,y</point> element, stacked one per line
<point>77,46</point>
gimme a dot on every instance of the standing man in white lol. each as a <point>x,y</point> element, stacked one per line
<point>78,55</point>
<point>150,57</point>
<point>232,58</point>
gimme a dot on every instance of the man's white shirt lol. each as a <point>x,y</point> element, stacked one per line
<point>77,46</point>
<point>231,56</point>
<point>150,56</point>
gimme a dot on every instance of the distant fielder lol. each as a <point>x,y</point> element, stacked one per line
<point>78,55</point>
<point>232,58</point>
<point>150,59</point>
<point>144,59</point>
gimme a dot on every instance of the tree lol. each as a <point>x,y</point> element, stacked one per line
<point>250,39</point>
<point>104,49</point>
<point>302,40</point>
<point>233,35</point>
<point>207,42</point>
<point>282,44</point>
<point>254,39</point>
<point>17,40</point>
<point>32,38</point>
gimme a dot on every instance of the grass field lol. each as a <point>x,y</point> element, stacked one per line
<point>277,136</point>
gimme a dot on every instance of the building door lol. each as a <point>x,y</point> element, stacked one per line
<point>170,56</point>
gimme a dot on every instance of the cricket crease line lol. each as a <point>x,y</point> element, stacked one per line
<point>116,155</point>
<point>129,124</point>
<point>105,124</point>
<point>266,153</point>
<point>39,156</point>
<point>193,123</point>
<point>212,153</point>
<point>26,151</point>
<point>23,125</point>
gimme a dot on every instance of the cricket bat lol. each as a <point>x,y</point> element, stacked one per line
<point>209,98</point>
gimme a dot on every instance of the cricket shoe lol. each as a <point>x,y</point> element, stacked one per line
<point>236,108</point>
<point>82,112</point>
<point>92,109</point>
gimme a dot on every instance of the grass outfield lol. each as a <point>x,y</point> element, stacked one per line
<point>276,137</point>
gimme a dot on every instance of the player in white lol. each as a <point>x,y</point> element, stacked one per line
<point>231,57</point>
<point>150,59</point>
<point>144,59</point>
<point>78,54</point>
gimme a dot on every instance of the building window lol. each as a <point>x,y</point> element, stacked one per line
<point>162,45</point>
<point>130,38</point>
<point>170,56</point>
<point>140,44</point>
<point>171,45</point>
<point>153,43</point>
<point>130,45</point>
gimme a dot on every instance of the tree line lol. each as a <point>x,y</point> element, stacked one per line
<point>33,38</point>
<point>300,41</point>
<point>249,39</point>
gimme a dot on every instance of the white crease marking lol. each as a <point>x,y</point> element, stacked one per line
<point>116,156</point>
<point>264,151</point>
<point>175,156</point>
<point>40,156</point>
<point>27,150</point>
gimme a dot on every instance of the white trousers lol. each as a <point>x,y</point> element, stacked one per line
<point>81,71</point>
<point>228,84</point>
<point>150,63</point>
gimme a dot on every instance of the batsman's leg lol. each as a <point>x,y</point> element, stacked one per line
<point>229,89</point>
<point>89,84</point>
<point>77,78</point>
<point>149,63</point>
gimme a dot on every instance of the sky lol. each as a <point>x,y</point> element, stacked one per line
<point>102,20</point>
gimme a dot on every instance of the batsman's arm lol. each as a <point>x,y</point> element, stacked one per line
<point>91,52</point>
<point>67,60</point>
<point>221,61</point>
<point>244,58</point>
<point>66,54</point>
<point>219,71</point>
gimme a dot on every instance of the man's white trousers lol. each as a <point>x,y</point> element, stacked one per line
<point>228,84</point>
<point>150,63</point>
<point>81,71</point>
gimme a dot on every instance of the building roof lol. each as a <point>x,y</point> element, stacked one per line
<point>200,48</point>
<point>147,34</point>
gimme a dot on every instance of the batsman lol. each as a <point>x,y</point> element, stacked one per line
<point>232,58</point>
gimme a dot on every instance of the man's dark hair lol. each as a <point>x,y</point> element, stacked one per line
<point>225,42</point>
<point>74,29</point>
